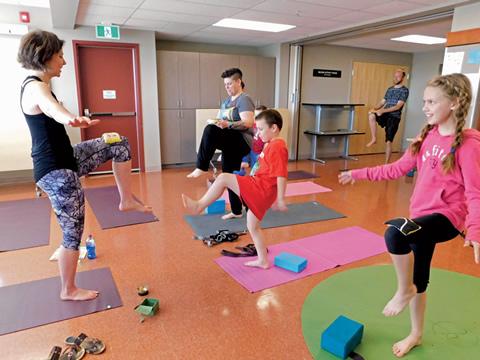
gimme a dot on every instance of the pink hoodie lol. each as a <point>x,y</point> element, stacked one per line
<point>455,195</point>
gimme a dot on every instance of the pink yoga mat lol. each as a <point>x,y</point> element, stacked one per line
<point>296,189</point>
<point>323,252</point>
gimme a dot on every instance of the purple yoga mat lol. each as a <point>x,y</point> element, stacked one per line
<point>323,252</point>
<point>24,223</point>
<point>296,189</point>
<point>300,174</point>
<point>104,202</point>
<point>36,303</point>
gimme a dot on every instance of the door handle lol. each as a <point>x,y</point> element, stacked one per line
<point>125,113</point>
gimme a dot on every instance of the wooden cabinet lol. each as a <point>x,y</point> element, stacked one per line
<point>248,65</point>
<point>177,136</point>
<point>265,94</point>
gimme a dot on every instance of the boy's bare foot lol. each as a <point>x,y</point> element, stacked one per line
<point>399,301</point>
<point>196,173</point>
<point>258,263</point>
<point>372,142</point>
<point>133,204</point>
<point>404,346</point>
<point>191,205</point>
<point>79,294</point>
<point>231,215</point>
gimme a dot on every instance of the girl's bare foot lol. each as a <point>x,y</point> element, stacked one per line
<point>231,216</point>
<point>399,301</point>
<point>78,294</point>
<point>263,264</point>
<point>402,347</point>
<point>372,142</point>
<point>133,204</point>
<point>191,205</point>
<point>196,173</point>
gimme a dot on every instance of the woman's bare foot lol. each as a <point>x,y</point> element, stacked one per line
<point>133,204</point>
<point>399,301</point>
<point>231,216</point>
<point>372,142</point>
<point>79,294</point>
<point>263,264</point>
<point>191,205</point>
<point>404,346</point>
<point>196,173</point>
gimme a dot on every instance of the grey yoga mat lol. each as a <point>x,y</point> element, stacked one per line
<point>37,303</point>
<point>300,174</point>
<point>104,202</point>
<point>299,213</point>
<point>24,223</point>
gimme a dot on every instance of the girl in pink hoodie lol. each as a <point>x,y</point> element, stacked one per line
<point>445,200</point>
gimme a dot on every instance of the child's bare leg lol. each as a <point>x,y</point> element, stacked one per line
<point>123,178</point>
<point>67,263</point>
<point>223,181</point>
<point>373,129</point>
<point>417,318</point>
<point>406,290</point>
<point>253,225</point>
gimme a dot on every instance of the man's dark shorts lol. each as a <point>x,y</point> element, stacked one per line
<point>390,123</point>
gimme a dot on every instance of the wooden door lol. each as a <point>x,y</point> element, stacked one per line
<point>170,136</point>
<point>248,65</point>
<point>167,80</point>
<point>370,81</point>
<point>266,81</point>
<point>108,87</point>
<point>189,80</point>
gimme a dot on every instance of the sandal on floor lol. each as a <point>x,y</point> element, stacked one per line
<point>73,352</point>
<point>92,346</point>
<point>55,353</point>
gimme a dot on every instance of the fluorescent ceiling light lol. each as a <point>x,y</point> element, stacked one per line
<point>421,39</point>
<point>13,29</point>
<point>30,3</point>
<point>253,25</point>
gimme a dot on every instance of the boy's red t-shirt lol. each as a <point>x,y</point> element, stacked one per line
<point>259,192</point>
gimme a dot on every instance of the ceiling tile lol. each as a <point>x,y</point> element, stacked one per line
<point>347,4</point>
<point>122,3</point>
<point>146,24</point>
<point>92,20</point>
<point>175,17</point>
<point>394,8</point>
<point>301,8</point>
<point>90,9</point>
<point>184,7</point>
<point>356,17</point>
<point>244,4</point>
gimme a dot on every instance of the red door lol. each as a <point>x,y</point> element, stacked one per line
<point>108,85</point>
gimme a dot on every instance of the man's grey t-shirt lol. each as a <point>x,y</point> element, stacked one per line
<point>393,96</point>
<point>231,110</point>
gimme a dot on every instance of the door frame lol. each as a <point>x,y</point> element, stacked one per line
<point>135,49</point>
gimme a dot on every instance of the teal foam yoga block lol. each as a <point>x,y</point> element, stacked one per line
<point>218,207</point>
<point>290,262</point>
<point>342,336</point>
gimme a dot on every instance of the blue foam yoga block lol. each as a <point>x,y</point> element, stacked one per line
<point>342,336</point>
<point>218,207</point>
<point>290,262</point>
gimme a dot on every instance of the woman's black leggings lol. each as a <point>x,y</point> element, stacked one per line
<point>233,147</point>
<point>436,228</point>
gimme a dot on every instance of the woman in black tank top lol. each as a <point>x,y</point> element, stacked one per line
<point>57,166</point>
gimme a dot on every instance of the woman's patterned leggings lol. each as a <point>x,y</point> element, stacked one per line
<point>65,191</point>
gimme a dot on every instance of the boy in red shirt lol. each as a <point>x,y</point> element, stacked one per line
<point>260,191</point>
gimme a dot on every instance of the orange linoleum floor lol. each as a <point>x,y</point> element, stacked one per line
<point>204,314</point>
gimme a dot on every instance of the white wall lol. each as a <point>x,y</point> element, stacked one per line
<point>65,86</point>
<point>425,66</point>
<point>466,17</point>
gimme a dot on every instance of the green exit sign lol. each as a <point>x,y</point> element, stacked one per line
<point>107,32</point>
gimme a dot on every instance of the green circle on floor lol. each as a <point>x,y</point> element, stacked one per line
<point>452,324</point>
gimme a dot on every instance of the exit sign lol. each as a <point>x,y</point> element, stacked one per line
<point>107,32</point>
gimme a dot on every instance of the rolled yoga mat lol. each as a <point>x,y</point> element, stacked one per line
<point>452,325</point>
<point>37,303</point>
<point>299,213</point>
<point>104,202</point>
<point>322,251</point>
<point>24,223</point>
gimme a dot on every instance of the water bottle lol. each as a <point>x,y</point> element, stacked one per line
<point>91,253</point>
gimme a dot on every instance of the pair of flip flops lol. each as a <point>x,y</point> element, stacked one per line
<point>88,344</point>
<point>72,352</point>
<point>245,251</point>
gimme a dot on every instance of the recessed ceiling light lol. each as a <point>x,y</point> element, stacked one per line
<point>421,39</point>
<point>253,25</point>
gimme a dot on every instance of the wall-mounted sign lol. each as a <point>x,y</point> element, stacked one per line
<point>109,94</point>
<point>327,73</point>
<point>111,32</point>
